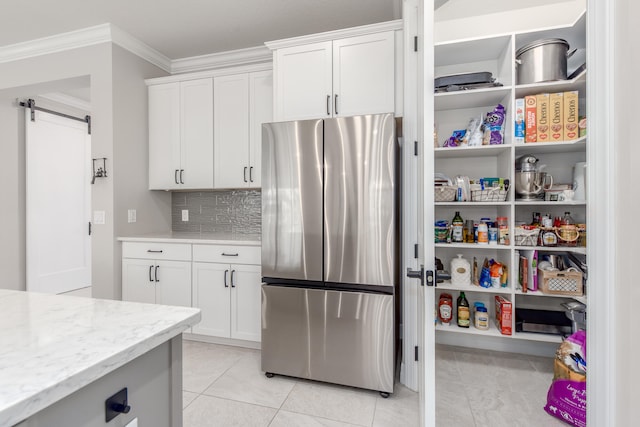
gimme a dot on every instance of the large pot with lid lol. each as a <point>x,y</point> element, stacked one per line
<point>542,61</point>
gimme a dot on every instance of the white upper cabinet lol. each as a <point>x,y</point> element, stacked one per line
<point>342,77</point>
<point>164,136</point>
<point>181,135</point>
<point>303,81</point>
<point>231,131</point>
<point>243,102</point>
<point>363,74</point>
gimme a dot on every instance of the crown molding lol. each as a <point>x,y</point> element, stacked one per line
<point>57,43</point>
<point>337,34</point>
<point>135,46</point>
<point>232,58</point>
<point>68,100</point>
<point>210,73</point>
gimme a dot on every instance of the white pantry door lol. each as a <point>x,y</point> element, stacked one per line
<point>58,169</point>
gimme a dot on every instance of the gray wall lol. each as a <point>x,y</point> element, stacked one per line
<point>119,110</point>
<point>224,211</point>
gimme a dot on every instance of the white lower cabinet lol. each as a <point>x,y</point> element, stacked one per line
<point>155,281</point>
<point>229,296</point>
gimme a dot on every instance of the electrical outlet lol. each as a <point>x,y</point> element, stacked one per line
<point>131,215</point>
<point>185,215</point>
<point>99,217</point>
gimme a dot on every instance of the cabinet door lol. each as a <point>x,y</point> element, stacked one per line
<point>231,134</point>
<point>303,82</point>
<point>211,296</point>
<point>164,136</point>
<point>138,284</point>
<point>173,283</point>
<point>246,294</point>
<point>260,111</point>
<point>196,107</point>
<point>363,74</point>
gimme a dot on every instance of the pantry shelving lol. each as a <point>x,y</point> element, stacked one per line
<point>453,110</point>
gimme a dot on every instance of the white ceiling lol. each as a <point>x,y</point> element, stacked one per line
<point>185,28</point>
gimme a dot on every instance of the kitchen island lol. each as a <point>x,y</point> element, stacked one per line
<point>61,357</point>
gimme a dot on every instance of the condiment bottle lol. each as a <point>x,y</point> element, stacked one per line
<point>457,227</point>
<point>445,308</point>
<point>482,318</point>
<point>503,230</point>
<point>483,232</point>
<point>462,306</point>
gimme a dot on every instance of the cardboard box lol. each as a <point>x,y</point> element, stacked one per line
<point>542,117</point>
<point>571,130</point>
<point>530,119</point>
<point>556,111</point>
<point>504,311</point>
<point>519,123</point>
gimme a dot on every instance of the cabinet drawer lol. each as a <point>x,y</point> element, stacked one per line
<point>157,251</point>
<point>227,254</point>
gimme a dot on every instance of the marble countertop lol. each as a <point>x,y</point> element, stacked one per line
<point>197,238</point>
<point>53,345</point>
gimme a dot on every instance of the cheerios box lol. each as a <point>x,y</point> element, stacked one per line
<point>571,130</point>
<point>556,114</point>
<point>542,117</point>
<point>504,310</point>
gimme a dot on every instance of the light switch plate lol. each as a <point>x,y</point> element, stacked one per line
<point>132,423</point>
<point>131,215</point>
<point>98,217</point>
<point>185,214</point>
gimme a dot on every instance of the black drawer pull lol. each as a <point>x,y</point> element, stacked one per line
<point>225,254</point>
<point>154,252</point>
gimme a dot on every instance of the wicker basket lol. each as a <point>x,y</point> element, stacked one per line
<point>560,282</point>
<point>445,193</point>
<point>526,237</point>
<point>489,195</point>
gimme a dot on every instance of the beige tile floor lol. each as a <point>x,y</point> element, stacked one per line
<point>224,386</point>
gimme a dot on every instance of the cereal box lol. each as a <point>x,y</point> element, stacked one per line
<point>556,108</point>
<point>542,117</point>
<point>530,119</point>
<point>519,124</point>
<point>571,130</point>
<point>503,315</point>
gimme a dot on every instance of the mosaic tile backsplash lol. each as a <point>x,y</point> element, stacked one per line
<point>224,211</point>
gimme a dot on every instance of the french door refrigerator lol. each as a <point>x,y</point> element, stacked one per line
<point>330,250</point>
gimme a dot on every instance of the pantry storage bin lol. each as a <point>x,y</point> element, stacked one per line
<point>445,193</point>
<point>560,282</point>
<point>489,195</point>
<point>525,237</point>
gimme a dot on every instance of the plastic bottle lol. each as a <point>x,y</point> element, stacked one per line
<point>464,316</point>
<point>482,319</point>
<point>457,227</point>
<point>483,232</point>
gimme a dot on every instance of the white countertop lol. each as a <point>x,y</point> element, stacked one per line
<point>53,345</point>
<point>197,238</point>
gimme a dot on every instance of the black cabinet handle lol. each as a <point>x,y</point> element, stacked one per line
<point>181,171</point>
<point>225,278</point>
<point>150,269</point>
<point>335,105</point>
<point>156,273</point>
<point>233,285</point>
<point>328,101</point>
<point>244,174</point>
<point>251,174</point>
<point>225,254</point>
<point>175,176</point>
<point>154,252</point>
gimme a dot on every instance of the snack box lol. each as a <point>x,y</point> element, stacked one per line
<point>542,117</point>
<point>519,124</point>
<point>504,311</point>
<point>556,110</point>
<point>530,118</point>
<point>571,130</point>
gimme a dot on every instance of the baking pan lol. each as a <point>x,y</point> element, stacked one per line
<point>464,79</point>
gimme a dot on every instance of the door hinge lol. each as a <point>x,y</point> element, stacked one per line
<point>415,148</point>
<point>416,251</point>
<point>89,228</point>
<point>415,353</point>
<point>415,43</point>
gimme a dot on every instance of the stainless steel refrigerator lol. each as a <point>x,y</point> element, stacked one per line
<point>330,250</point>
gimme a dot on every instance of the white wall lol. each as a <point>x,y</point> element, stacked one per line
<point>119,110</point>
<point>624,275</point>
